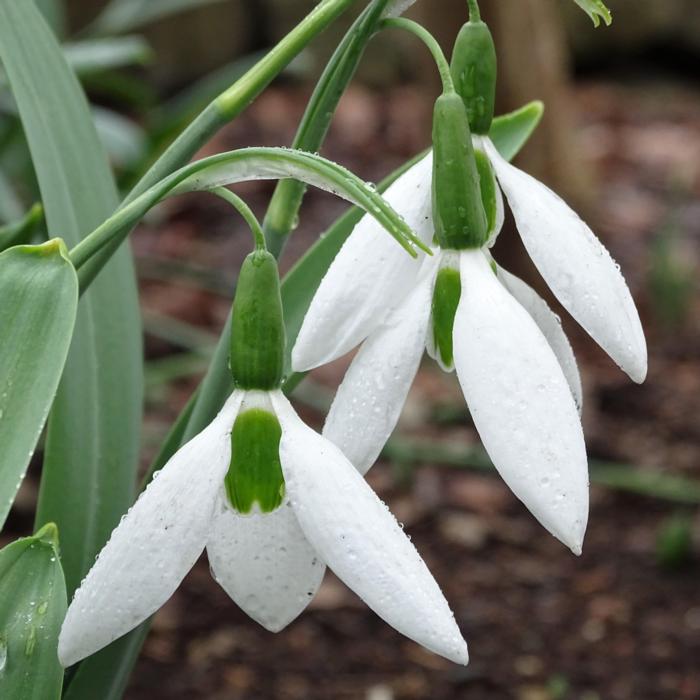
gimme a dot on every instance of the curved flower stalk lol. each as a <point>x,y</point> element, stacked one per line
<point>272,502</point>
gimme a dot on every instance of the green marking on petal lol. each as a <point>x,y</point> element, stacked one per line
<point>255,473</point>
<point>487,182</point>
<point>448,289</point>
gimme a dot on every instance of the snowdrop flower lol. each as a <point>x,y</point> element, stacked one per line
<point>512,359</point>
<point>272,502</point>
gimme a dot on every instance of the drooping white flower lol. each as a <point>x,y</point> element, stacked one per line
<point>513,361</point>
<point>271,564</point>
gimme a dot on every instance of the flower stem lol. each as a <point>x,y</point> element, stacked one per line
<point>474,13</point>
<point>245,211</point>
<point>286,201</point>
<point>431,43</point>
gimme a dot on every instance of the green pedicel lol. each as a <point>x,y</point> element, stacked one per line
<point>448,289</point>
<point>257,325</point>
<point>487,184</point>
<point>255,473</point>
<point>459,217</point>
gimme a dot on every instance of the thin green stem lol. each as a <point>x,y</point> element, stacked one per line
<point>431,43</point>
<point>284,206</point>
<point>245,211</point>
<point>474,13</point>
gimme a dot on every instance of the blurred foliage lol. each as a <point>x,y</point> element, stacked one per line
<point>671,279</point>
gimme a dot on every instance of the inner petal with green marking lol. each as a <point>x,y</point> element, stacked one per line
<point>255,473</point>
<point>448,289</point>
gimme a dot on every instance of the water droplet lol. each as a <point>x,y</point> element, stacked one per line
<point>3,654</point>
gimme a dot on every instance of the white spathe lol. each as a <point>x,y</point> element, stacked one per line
<point>271,565</point>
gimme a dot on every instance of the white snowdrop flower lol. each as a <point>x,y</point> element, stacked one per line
<point>272,501</point>
<point>511,356</point>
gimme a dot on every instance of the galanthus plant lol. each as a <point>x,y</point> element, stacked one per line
<point>270,499</point>
<point>240,475</point>
<point>513,361</point>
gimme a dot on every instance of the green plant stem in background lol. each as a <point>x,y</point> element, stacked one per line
<point>283,210</point>
<point>408,25</point>
<point>232,102</point>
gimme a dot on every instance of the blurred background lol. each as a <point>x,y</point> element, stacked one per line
<point>621,141</point>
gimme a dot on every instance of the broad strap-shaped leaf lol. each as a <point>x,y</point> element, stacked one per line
<point>32,608</point>
<point>510,132</point>
<point>245,164</point>
<point>94,428</point>
<point>38,304</point>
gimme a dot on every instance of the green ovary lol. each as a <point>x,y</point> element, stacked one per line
<point>255,473</point>
<point>448,289</point>
<point>487,183</point>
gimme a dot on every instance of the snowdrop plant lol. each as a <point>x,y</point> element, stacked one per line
<point>513,361</point>
<point>240,474</point>
<point>270,499</point>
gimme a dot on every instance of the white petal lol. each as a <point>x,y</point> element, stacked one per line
<point>368,403</point>
<point>360,540</point>
<point>576,266</point>
<point>369,277</point>
<point>550,325</point>
<point>521,403</point>
<point>264,562</point>
<point>154,546</point>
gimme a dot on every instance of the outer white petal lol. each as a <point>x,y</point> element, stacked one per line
<point>264,562</point>
<point>550,325</point>
<point>576,266</point>
<point>521,403</point>
<point>360,540</point>
<point>368,403</point>
<point>154,546</point>
<point>368,278</point>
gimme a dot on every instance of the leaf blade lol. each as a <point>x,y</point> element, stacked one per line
<point>510,132</point>
<point>98,446</point>
<point>32,607</point>
<point>38,299</point>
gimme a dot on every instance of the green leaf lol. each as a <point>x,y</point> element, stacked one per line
<point>55,14</point>
<point>124,140</point>
<point>125,15</point>
<point>596,10</point>
<point>32,608</point>
<point>94,428</point>
<point>38,304</point>
<point>99,55</point>
<point>510,132</point>
<point>261,163</point>
<point>22,230</point>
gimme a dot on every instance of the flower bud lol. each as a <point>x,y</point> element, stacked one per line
<point>458,213</point>
<point>257,325</point>
<point>473,70</point>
